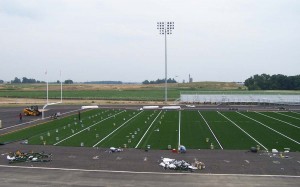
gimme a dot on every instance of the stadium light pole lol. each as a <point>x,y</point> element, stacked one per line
<point>165,28</point>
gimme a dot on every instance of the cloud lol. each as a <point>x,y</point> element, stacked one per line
<point>118,39</point>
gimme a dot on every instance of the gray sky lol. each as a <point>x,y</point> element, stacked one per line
<point>213,40</point>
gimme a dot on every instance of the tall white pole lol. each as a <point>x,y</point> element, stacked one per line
<point>47,86</point>
<point>166,67</point>
<point>164,29</point>
<point>60,88</point>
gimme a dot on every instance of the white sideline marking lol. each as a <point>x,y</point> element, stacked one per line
<point>278,120</point>
<point>287,115</point>
<point>179,120</point>
<point>147,130</point>
<point>19,124</point>
<point>243,131</point>
<point>211,130</point>
<point>86,128</point>
<point>154,173</point>
<point>116,129</point>
<point>270,128</point>
<point>34,121</point>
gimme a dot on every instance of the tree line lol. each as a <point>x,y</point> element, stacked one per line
<point>25,80</point>
<point>160,81</point>
<point>273,82</point>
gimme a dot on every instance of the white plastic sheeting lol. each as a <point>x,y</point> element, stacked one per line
<point>86,107</point>
<point>171,107</point>
<point>150,107</point>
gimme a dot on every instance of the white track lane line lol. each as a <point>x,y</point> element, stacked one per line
<point>244,131</point>
<point>116,129</point>
<point>145,172</point>
<point>211,131</point>
<point>147,130</point>
<point>86,128</point>
<point>278,120</point>
<point>269,128</point>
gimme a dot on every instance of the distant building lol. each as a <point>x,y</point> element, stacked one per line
<point>190,79</point>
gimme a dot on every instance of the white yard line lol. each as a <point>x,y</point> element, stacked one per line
<point>116,129</point>
<point>269,128</point>
<point>278,120</point>
<point>211,131</point>
<point>147,130</point>
<point>179,125</point>
<point>86,128</point>
<point>287,115</point>
<point>243,131</point>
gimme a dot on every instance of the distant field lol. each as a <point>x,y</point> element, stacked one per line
<point>162,129</point>
<point>137,92</point>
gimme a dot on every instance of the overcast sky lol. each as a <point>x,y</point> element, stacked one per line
<point>89,40</point>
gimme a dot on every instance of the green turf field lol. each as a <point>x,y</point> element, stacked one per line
<point>161,129</point>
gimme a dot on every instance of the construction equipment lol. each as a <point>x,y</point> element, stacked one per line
<point>31,111</point>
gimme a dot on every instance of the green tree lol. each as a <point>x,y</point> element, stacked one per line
<point>16,80</point>
<point>69,81</point>
<point>274,82</point>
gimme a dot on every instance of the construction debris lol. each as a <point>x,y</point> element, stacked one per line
<point>114,150</point>
<point>28,157</point>
<point>168,163</point>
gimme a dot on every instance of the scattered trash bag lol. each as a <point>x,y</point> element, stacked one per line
<point>168,163</point>
<point>182,149</point>
<point>253,149</point>
<point>113,150</point>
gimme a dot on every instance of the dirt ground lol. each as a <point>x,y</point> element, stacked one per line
<point>10,102</point>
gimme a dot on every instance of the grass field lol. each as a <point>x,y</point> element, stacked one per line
<point>129,92</point>
<point>162,129</point>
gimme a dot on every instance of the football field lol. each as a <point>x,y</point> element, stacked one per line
<point>168,129</point>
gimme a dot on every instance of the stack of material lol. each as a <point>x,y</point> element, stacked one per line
<point>113,150</point>
<point>28,157</point>
<point>168,163</point>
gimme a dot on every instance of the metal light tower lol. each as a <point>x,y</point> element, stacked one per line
<point>165,28</point>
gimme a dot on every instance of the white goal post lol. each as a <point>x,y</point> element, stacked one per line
<point>47,102</point>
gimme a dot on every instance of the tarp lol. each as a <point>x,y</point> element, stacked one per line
<point>171,107</point>
<point>86,107</point>
<point>150,107</point>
